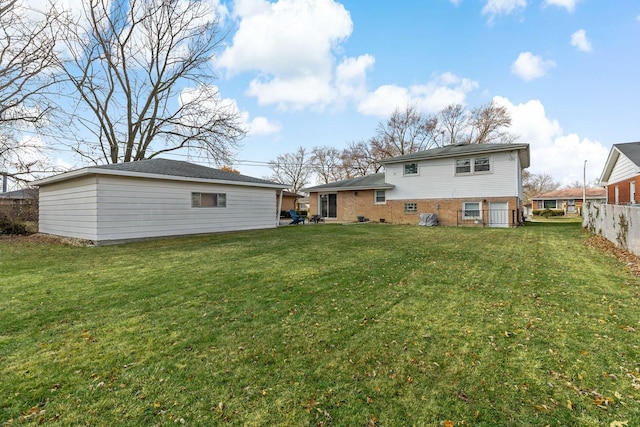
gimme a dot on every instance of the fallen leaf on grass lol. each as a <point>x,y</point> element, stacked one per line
<point>619,423</point>
<point>448,423</point>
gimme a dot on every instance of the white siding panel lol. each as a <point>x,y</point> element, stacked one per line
<point>69,209</point>
<point>623,169</point>
<point>139,208</point>
<point>437,180</point>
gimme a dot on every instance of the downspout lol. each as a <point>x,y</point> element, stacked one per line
<point>279,207</point>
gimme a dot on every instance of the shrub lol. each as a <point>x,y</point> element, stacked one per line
<point>548,212</point>
<point>14,218</point>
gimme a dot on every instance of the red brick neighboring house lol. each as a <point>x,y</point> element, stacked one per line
<point>621,174</point>
<point>567,199</point>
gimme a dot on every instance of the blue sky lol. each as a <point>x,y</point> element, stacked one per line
<point>325,72</point>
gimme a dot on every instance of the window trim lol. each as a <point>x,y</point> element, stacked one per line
<point>384,197</point>
<point>465,210</point>
<point>404,169</point>
<point>219,200</point>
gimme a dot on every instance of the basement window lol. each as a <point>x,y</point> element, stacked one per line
<point>471,210</point>
<point>208,200</point>
<point>410,208</point>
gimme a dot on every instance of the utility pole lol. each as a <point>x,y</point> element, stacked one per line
<point>584,187</point>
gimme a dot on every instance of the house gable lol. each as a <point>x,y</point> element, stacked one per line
<point>623,163</point>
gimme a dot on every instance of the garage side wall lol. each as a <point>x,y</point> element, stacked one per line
<point>69,209</point>
<point>144,208</point>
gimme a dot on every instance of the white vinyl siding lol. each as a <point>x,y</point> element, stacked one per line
<point>140,208</point>
<point>69,209</point>
<point>623,169</point>
<point>108,208</point>
<point>437,180</point>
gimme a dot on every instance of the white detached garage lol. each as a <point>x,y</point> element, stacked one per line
<point>153,198</point>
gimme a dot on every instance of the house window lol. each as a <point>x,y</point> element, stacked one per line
<point>471,210</point>
<point>463,165</point>
<point>481,164</point>
<point>208,200</point>
<point>380,197</point>
<point>410,208</point>
<point>411,169</point>
<point>475,165</point>
<point>550,204</point>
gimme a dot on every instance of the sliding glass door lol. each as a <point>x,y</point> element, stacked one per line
<point>329,205</point>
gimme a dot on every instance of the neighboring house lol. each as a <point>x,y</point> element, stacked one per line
<point>621,174</point>
<point>474,184</point>
<point>19,197</point>
<point>289,201</point>
<point>153,198</point>
<point>568,200</point>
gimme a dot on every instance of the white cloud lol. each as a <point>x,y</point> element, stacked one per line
<point>580,41</point>
<point>292,44</point>
<point>430,97</point>
<point>570,5</point>
<point>529,66</point>
<point>262,126</point>
<point>561,156</point>
<point>350,79</point>
<point>494,8</point>
<point>456,2</point>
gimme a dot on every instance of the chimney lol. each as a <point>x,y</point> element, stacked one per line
<point>4,182</point>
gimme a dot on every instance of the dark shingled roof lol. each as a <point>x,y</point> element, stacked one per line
<point>460,150</point>
<point>631,150</point>
<point>369,182</point>
<point>180,168</point>
<point>163,167</point>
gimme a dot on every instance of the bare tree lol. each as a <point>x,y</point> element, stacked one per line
<point>27,65</point>
<point>327,163</point>
<point>452,124</point>
<point>359,160</point>
<point>488,124</point>
<point>535,184</point>
<point>130,64</point>
<point>292,169</point>
<point>405,132</point>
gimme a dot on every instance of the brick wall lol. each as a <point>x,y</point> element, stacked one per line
<point>624,191</point>
<point>352,205</point>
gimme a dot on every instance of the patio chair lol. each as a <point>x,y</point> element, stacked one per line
<point>297,219</point>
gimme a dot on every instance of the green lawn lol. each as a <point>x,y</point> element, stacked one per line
<point>352,325</point>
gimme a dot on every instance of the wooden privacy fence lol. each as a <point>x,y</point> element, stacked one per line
<point>619,224</point>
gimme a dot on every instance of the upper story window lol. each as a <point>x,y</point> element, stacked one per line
<point>380,197</point>
<point>463,165</point>
<point>411,169</point>
<point>473,165</point>
<point>208,200</point>
<point>481,164</point>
